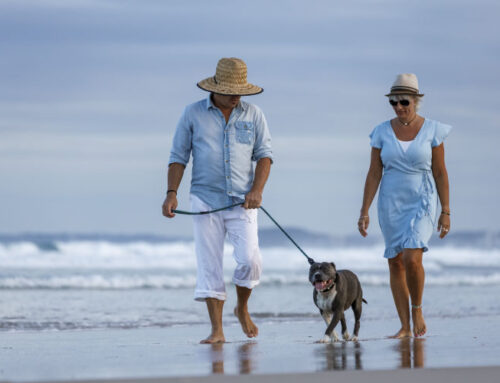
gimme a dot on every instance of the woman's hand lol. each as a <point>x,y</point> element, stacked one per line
<point>443,225</point>
<point>363,223</point>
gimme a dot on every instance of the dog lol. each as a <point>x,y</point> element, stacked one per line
<point>334,292</point>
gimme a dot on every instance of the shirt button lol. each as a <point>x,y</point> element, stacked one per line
<point>227,177</point>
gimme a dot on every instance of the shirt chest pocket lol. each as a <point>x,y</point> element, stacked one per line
<point>244,132</point>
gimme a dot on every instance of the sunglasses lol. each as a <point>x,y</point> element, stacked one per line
<point>402,102</point>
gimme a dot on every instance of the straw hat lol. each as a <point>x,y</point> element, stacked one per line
<point>230,79</point>
<point>406,83</point>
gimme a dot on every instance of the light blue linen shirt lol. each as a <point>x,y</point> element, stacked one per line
<point>223,171</point>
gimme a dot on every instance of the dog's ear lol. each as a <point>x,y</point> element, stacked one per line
<point>333,264</point>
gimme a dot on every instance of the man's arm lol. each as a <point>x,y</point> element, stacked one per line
<point>254,197</point>
<point>179,157</point>
<point>175,173</point>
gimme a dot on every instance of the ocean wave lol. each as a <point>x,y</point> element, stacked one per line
<point>55,325</point>
<point>181,256</point>
<point>124,282</point>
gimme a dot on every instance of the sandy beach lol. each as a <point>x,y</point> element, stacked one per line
<point>283,351</point>
<point>476,374</point>
<point>114,310</point>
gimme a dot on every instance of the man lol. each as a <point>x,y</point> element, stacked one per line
<point>224,135</point>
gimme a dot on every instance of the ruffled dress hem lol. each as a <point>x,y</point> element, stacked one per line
<point>410,243</point>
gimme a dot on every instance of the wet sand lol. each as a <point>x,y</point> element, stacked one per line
<point>443,375</point>
<point>283,351</point>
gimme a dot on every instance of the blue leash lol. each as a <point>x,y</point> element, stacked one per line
<point>309,259</point>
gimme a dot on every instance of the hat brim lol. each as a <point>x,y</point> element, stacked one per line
<point>210,85</point>
<point>404,92</point>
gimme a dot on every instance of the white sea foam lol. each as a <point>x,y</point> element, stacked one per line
<point>114,265</point>
<point>155,281</point>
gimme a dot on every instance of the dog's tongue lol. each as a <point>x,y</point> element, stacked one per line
<point>320,285</point>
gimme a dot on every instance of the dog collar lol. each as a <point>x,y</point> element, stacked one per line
<point>328,289</point>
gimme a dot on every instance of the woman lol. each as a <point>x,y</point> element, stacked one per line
<point>408,156</point>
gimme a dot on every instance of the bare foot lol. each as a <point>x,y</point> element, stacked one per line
<point>403,333</point>
<point>249,328</point>
<point>214,338</point>
<point>419,327</point>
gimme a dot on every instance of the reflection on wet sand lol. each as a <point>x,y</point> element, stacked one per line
<point>217,356</point>
<point>341,356</point>
<point>332,356</point>
<point>245,358</point>
<point>411,350</point>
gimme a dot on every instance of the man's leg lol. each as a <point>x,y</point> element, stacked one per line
<point>241,312</point>
<point>215,307</point>
<point>209,233</point>
<point>241,226</point>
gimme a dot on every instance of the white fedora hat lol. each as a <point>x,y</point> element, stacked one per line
<point>230,79</point>
<point>406,83</point>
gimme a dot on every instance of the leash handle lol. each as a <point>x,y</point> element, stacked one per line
<point>207,211</point>
<point>309,259</point>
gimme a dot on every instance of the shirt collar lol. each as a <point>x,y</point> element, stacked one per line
<point>210,103</point>
<point>241,105</point>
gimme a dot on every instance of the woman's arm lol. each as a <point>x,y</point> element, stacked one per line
<point>441,177</point>
<point>371,185</point>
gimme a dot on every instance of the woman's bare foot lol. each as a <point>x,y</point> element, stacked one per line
<point>249,328</point>
<point>419,327</point>
<point>403,333</point>
<point>213,338</point>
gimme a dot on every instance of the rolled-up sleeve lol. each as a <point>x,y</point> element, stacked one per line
<point>262,147</point>
<point>182,143</point>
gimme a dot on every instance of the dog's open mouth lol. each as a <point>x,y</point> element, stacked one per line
<point>323,285</point>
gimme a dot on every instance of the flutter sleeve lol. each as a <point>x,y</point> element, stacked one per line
<point>440,133</point>
<point>375,137</point>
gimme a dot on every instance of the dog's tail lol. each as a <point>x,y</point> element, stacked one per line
<point>364,300</point>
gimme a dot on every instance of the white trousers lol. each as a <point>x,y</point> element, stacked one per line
<point>210,231</point>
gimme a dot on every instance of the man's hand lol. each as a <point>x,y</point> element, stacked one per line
<point>169,204</point>
<point>253,200</point>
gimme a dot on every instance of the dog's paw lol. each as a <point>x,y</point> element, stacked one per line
<point>335,337</point>
<point>325,339</point>
<point>346,336</point>
<point>354,338</point>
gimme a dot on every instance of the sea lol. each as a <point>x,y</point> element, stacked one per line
<point>64,281</point>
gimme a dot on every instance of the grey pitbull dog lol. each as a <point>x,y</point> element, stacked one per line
<point>334,292</point>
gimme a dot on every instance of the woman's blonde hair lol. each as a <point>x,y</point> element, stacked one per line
<point>399,97</point>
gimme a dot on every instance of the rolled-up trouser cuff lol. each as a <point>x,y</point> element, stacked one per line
<point>201,295</point>
<point>247,284</point>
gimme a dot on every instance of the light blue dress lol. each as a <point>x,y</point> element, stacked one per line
<point>408,199</point>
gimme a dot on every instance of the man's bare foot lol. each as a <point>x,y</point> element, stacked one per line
<point>249,328</point>
<point>403,333</point>
<point>419,327</point>
<point>214,338</point>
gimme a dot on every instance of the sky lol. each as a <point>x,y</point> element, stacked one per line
<point>91,91</point>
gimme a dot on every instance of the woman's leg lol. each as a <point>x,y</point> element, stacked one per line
<point>400,294</point>
<point>415,277</point>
